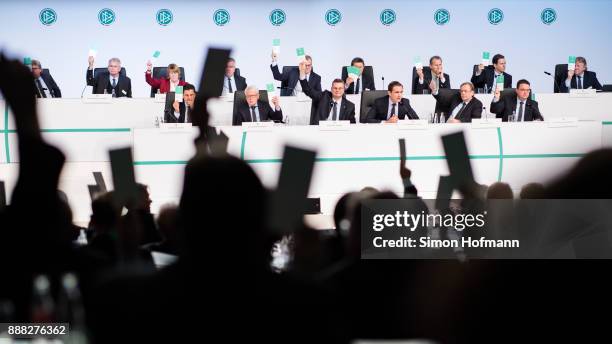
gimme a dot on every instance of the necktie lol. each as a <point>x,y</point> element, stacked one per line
<point>40,88</point>
<point>114,82</point>
<point>494,84</point>
<point>460,110</point>
<point>253,114</point>
<point>335,111</point>
<point>229,85</point>
<point>579,82</point>
<point>520,115</point>
<point>392,110</point>
<point>357,86</point>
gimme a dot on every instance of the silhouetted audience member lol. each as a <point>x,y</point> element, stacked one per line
<point>167,222</point>
<point>500,190</point>
<point>532,191</point>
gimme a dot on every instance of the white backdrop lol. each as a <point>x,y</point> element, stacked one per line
<point>582,28</point>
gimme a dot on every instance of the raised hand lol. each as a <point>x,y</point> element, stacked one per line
<point>91,61</point>
<point>275,102</point>
<point>302,68</point>
<point>175,105</point>
<point>149,66</point>
<point>419,72</point>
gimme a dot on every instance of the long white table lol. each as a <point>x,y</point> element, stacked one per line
<point>365,155</point>
<point>368,155</point>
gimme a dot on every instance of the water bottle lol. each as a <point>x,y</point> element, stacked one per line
<point>512,117</point>
<point>71,310</point>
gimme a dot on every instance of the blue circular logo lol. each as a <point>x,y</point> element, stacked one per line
<point>106,16</point>
<point>277,17</point>
<point>164,17</point>
<point>47,16</point>
<point>221,17</point>
<point>333,17</point>
<point>442,16</point>
<point>387,17</point>
<point>548,16</point>
<point>495,16</point>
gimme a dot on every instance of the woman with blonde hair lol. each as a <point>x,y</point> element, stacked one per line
<point>168,83</point>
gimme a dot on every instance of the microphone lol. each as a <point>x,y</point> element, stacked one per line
<point>383,82</point>
<point>555,80</point>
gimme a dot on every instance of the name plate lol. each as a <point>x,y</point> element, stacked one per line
<point>584,93</point>
<point>412,124</point>
<point>257,126</point>
<point>98,99</point>
<point>175,127</point>
<point>334,125</point>
<point>480,123</point>
<point>160,97</point>
<point>562,122</point>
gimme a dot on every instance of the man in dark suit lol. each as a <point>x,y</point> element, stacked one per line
<point>255,110</point>
<point>180,112</point>
<point>365,82</point>
<point>435,80</point>
<point>291,79</point>
<point>486,77</point>
<point>580,77</point>
<point>232,82</point>
<point>392,107</point>
<point>45,85</point>
<point>465,106</point>
<point>326,105</point>
<point>112,81</point>
<point>517,104</point>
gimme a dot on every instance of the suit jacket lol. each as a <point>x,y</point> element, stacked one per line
<point>366,82</point>
<point>240,82</point>
<point>427,80</point>
<point>486,78</point>
<point>51,85</point>
<point>589,80</point>
<point>322,105</point>
<point>163,84</point>
<point>185,114</point>
<point>473,109</point>
<point>507,104</point>
<point>378,112</point>
<point>102,82</point>
<point>266,113</point>
<point>292,78</point>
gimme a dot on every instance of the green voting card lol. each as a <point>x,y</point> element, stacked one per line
<point>156,54</point>
<point>276,42</point>
<point>27,61</point>
<point>353,70</point>
<point>270,88</point>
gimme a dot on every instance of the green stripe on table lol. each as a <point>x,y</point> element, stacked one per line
<point>501,154</point>
<point>6,138</point>
<point>81,130</point>
<point>379,158</point>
